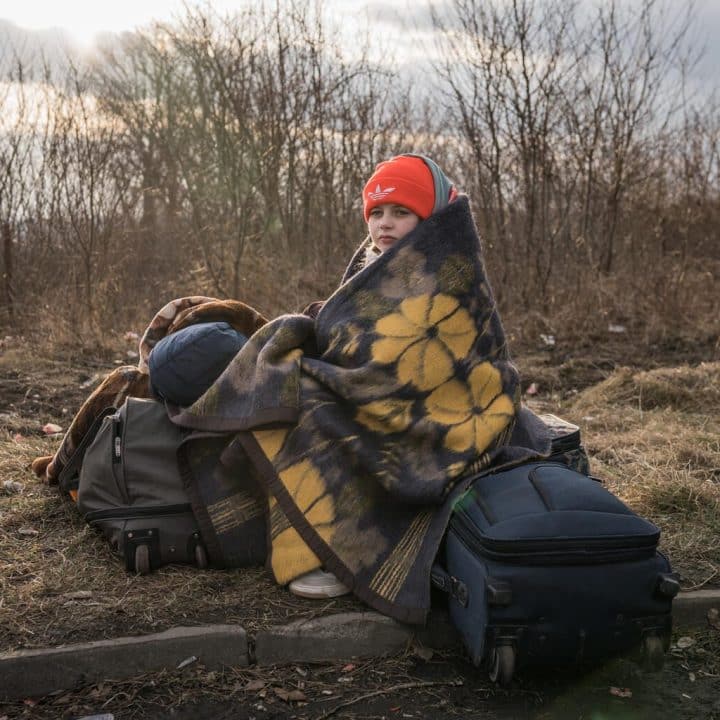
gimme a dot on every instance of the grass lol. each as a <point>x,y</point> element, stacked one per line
<point>653,435</point>
<point>59,580</point>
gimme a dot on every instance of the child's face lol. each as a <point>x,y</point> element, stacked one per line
<point>389,223</point>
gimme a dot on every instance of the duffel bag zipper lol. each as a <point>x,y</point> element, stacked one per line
<point>117,466</point>
<point>128,513</point>
<point>557,551</point>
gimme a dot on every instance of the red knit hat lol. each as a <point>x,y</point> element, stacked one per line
<point>403,180</point>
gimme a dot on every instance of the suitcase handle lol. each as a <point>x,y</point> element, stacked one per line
<point>498,592</point>
<point>668,585</point>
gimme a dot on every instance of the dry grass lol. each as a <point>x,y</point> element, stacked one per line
<point>654,435</point>
<point>59,580</point>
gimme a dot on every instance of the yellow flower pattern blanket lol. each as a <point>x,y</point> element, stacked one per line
<point>352,433</point>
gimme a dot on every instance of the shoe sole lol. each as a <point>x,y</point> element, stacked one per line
<point>314,593</point>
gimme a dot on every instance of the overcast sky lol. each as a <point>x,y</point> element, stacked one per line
<point>83,19</point>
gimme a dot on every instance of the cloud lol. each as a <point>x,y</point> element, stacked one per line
<point>707,33</point>
<point>413,17</point>
<point>34,50</point>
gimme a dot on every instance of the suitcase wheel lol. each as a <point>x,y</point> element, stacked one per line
<point>652,653</point>
<point>201,558</point>
<point>502,664</point>
<point>142,559</point>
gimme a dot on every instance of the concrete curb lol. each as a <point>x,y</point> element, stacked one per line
<point>690,609</point>
<point>34,673</point>
<point>334,637</point>
<point>344,636</point>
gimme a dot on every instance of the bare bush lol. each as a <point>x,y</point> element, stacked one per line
<point>225,155</point>
<point>575,130</point>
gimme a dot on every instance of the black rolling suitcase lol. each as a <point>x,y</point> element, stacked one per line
<point>544,566</point>
<point>128,485</point>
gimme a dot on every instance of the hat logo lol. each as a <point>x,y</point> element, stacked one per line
<point>380,193</point>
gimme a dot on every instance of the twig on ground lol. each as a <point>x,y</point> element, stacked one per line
<point>702,583</point>
<point>387,691</point>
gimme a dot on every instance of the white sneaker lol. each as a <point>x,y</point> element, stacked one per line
<point>318,584</point>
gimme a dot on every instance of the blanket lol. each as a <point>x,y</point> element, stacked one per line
<point>133,381</point>
<point>360,426</point>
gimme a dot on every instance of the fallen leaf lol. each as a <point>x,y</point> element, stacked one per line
<point>289,695</point>
<point>254,685</point>
<point>685,642</point>
<point>130,335</point>
<point>28,532</point>
<point>618,329</point>
<point>424,653</point>
<point>63,700</point>
<point>51,428</point>
<point>187,661</point>
<point>97,692</point>
<point>78,595</point>
<point>713,616</point>
<point>548,340</point>
<point>691,677</point>
<point>621,692</point>
<point>532,389</point>
<point>12,486</point>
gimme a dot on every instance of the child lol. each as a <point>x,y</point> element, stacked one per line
<point>412,183</point>
<point>400,194</point>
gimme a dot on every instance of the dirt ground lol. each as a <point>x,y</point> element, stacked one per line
<point>651,423</point>
<point>402,687</point>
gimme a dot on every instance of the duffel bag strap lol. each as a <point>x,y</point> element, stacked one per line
<point>68,478</point>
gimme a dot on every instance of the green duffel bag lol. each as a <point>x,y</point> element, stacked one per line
<point>128,485</point>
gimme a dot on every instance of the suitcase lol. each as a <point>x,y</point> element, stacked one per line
<point>128,485</point>
<point>544,566</point>
<point>565,443</point>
